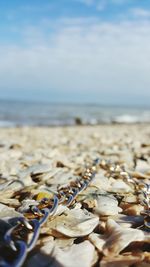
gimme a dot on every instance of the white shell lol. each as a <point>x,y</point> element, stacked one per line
<point>117,238</point>
<point>74,223</point>
<point>107,205</point>
<point>6,211</point>
<point>81,255</point>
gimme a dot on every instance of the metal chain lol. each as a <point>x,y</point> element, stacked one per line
<point>141,188</point>
<point>16,239</point>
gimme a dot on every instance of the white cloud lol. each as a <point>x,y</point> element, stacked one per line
<point>140,12</point>
<point>84,56</point>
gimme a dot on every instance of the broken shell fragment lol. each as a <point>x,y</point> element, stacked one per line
<point>119,238</point>
<point>107,205</point>
<point>7,212</point>
<point>74,223</point>
<point>120,186</point>
<point>81,255</point>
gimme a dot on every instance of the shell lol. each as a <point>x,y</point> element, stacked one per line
<point>124,260</point>
<point>119,186</point>
<point>7,212</point>
<point>142,167</point>
<point>107,205</point>
<point>74,223</point>
<point>101,181</point>
<point>117,238</point>
<point>81,255</point>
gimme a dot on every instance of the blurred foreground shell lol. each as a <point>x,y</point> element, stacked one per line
<point>76,222</point>
<point>81,255</point>
<point>7,212</point>
<point>118,238</point>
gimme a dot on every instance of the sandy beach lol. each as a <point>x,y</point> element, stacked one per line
<point>73,143</point>
<point>43,158</point>
<point>70,145</point>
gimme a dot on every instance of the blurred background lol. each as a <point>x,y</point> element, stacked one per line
<point>66,62</point>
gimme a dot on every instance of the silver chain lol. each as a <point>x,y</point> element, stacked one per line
<point>16,238</point>
<point>141,188</point>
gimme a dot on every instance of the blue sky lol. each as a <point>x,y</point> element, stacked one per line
<point>75,50</point>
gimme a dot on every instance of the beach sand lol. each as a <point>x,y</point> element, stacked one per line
<point>71,144</point>
<point>38,157</point>
<point>77,142</point>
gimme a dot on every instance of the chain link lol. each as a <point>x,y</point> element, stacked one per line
<point>22,237</point>
<point>142,189</point>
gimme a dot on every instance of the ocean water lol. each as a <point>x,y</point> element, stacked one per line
<point>13,113</point>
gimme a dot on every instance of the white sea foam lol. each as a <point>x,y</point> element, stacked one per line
<point>126,118</point>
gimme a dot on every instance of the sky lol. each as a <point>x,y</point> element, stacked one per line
<point>86,51</point>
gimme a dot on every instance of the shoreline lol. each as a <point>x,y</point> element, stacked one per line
<point>78,125</point>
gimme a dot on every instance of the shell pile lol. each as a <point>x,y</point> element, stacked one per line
<point>104,227</point>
